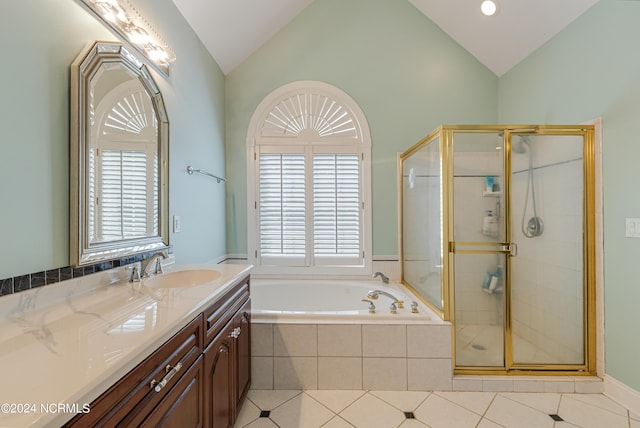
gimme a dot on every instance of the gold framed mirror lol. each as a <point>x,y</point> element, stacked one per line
<point>118,157</point>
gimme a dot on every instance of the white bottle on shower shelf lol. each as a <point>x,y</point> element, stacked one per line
<point>487,222</point>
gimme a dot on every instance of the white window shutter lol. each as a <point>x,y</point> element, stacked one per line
<point>336,208</point>
<point>282,218</point>
<point>123,198</point>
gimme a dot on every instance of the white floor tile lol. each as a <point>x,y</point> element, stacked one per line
<point>546,403</point>
<point>270,399</point>
<point>515,415</point>
<point>301,411</point>
<point>601,401</point>
<point>413,423</point>
<point>404,401</point>
<point>590,415</point>
<point>371,412</point>
<point>248,413</point>
<point>477,402</point>
<point>486,423</point>
<point>262,423</point>
<point>384,409</point>
<point>337,422</point>
<point>437,412</point>
<point>337,401</point>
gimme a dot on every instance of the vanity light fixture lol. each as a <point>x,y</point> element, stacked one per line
<point>489,7</point>
<point>127,22</point>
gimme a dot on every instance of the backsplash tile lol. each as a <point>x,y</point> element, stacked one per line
<point>52,276</point>
<point>6,286</point>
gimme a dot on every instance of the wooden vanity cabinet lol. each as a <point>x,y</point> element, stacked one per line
<point>207,368</point>
<point>133,398</point>
<point>227,359</point>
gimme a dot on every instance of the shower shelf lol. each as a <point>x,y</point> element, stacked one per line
<point>491,194</point>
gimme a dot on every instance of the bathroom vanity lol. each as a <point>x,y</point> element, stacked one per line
<point>129,354</point>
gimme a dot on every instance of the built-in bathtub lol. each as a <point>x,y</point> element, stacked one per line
<point>319,334</point>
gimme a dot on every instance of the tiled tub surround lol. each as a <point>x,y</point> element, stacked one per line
<point>351,356</point>
<point>319,334</point>
<point>68,342</point>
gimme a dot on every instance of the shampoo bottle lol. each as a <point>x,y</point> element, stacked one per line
<point>487,222</point>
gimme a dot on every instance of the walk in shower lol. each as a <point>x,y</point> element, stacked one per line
<point>497,233</point>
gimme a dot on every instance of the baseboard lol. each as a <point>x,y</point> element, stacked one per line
<point>623,394</point>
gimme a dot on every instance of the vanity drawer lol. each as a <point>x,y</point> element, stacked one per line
<point>218,314</point>
<point>133,396</point>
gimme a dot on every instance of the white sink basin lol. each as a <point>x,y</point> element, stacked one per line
<point>182,278</point>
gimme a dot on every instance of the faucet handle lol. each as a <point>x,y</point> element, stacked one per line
<point>135,273</point>
<point>158,268</point>
<point>372,307</point>
<point>414,307</point>
<point>393,308</point>
<point>400,304</point>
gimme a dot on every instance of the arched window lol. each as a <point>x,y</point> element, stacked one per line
<point>308,167</point>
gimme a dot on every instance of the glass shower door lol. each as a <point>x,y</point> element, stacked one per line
<point>547,225</point>
<point>479,250</point>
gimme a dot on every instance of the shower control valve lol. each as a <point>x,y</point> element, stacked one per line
<point>372,307</point>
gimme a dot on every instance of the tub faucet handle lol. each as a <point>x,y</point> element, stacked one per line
<point>414,307</point>
<point>372,307</point>
<point>393,308</point>
<point>400,304</point>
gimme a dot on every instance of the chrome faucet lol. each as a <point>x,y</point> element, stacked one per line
<point>374,294</point>
<point>385,278</point>
<point>158,267</point>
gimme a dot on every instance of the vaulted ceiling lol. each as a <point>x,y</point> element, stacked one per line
<point>232,30</point>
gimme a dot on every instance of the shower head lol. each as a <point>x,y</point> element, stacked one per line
<point>521,145</point>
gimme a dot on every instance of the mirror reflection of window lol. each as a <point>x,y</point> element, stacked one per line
<point>123,160</point>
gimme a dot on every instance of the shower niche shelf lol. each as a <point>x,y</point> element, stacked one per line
<point>492,194</point>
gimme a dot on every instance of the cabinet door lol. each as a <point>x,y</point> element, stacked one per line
<point>218,363</point>
<point>242,325</point>
<point>182,407</point>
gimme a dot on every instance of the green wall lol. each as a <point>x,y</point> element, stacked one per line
<point>405,73</point>
<point>39,40</point>
<point>592,69</point>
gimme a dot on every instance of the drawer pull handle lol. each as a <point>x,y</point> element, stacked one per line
<point>235,333</point>
<point>171,372</point>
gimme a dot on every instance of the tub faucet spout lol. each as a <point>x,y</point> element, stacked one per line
<point>383,277</point>
<point>374,294</point>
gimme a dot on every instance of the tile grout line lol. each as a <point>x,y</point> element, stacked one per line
<point>483,416</point>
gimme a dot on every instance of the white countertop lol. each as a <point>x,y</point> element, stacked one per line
<point>67,343</point>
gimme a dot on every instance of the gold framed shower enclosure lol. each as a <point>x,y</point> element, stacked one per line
<point>520,294</point>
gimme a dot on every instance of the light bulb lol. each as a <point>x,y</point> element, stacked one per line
<point>488,7</point>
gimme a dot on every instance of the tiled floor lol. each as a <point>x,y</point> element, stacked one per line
<point>408,409</point>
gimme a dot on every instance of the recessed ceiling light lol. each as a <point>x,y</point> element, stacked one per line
<point>488,7</point>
